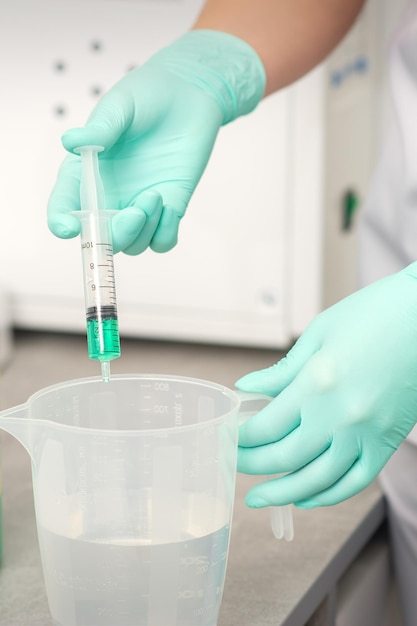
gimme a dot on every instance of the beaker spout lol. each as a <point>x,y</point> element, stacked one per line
<point>15,422</point>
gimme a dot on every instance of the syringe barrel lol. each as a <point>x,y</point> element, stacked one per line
<point>99,285</point>
<point>97,259</point>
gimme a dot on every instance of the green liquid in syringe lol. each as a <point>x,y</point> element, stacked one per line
<point>103,339</point>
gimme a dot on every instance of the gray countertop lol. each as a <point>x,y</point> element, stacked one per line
<point>268,582</point>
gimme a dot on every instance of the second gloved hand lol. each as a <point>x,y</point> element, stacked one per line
<point>158,126</point>
<point>346,397</point>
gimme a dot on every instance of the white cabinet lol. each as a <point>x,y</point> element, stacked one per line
<point>262,247</point>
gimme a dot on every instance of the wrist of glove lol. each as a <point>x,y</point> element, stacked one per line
<point>224,67</point>
<point>158,126</point>
<point>346,397</point>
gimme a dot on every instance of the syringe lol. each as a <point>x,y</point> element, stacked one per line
<point>103,339</point>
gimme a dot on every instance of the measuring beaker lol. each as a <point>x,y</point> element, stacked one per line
<point>133,485</point>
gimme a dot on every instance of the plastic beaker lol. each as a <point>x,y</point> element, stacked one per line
<point>133,487</point>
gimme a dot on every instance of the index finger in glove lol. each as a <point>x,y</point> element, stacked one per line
<point>151,203</point>
<point>64,202</point>
<point>301,446</point>
<point>65,198</point>
<point>163,217</point>
<point>320,474</point>
<point>272,423</point>
<point>166,235</point>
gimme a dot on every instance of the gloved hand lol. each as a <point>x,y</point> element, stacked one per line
<point>158,126</point>
<point>346,397</point>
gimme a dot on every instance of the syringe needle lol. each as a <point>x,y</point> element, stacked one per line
<point>105,371</point>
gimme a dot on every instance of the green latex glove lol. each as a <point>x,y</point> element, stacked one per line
<point>158,126</point>
<point>346,397</point>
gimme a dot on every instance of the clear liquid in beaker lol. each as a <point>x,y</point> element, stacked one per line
<point>120,583</point>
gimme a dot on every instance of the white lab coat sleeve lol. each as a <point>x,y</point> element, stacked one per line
<point>388,222</point>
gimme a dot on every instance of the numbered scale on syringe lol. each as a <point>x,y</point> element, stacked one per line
<point>99,285</point>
